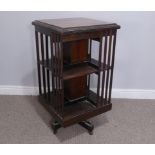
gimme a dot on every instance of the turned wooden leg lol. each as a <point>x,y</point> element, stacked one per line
<point>55,126</point>
<point>87,125</point>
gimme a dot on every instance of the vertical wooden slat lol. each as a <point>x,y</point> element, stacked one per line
<point>38,65</point>
<point>58,73</point>
<point>112,65</point>
<point>90,51</point>
<point>52,69</point>
<point>47,71</point>
<point>61,75</point>
<point>43,68</point>
<point>55,73</point>
<point>89,57</point>
<point>104,62</point>
<point>108,63</point>
<point>99,72</point>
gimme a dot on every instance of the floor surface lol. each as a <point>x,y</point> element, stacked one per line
<point>24,120</point>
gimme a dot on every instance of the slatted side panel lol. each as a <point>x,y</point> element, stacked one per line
<point>43,60</point>
<point>106,56</point>
<point>50,69</point>
<point>57,73</point>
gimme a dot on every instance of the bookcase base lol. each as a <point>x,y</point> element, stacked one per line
<point>85,124</point>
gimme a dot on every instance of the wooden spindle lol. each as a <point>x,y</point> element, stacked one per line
<point>52,69</point>
<point>58,72</point>
<point>61,75</point>
<point>104,62</point>
<point>112,65</point>
<point>99,72</point>
<point>89,57</point>
<point>43,61</point>
<point>108,63</point>
<point>38,60</point>
<point>57,69</point>
<point>47,71</point>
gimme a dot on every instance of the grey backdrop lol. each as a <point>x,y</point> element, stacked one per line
<point>135,52</point>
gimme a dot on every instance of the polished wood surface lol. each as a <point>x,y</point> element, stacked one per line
<point>75,87</point>
<point>78,71</point>
<point>73,22</point>
<point>66,66</point>
<point>75,51</point>
<point>74,113</point>
<point>73,25</point>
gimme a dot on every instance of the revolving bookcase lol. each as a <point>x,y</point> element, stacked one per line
<point>75,60</point>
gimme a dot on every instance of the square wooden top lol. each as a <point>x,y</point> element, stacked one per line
<point>74,24</point>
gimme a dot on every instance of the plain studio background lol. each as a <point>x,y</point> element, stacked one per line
<point>23,120</point>
<point>134,62</point>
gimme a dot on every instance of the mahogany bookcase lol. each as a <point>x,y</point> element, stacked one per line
<point>67,68</point>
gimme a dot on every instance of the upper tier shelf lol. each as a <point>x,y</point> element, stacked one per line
<point>81,69</point>
<point>78,70</point>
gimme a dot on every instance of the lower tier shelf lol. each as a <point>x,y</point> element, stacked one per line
<point>78,111</point>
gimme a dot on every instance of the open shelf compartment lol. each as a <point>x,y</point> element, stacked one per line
<point>77,70</point>
<point>75,111</point>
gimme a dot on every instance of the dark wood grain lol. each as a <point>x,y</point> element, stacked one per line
<point>74,113</point>
<point>69,88</point>
<point>92,62</point>
<point>38,60</point>
<point>99,72</point>
<point>43,68</point>
<point>74,25</point>
<point>47,71</point>
<point>75,51</point>
<point>108,62</point>
<point>78,71</point>
<point>73,22</point>
<point>112,64</point>
<point>104,62</point>
<point>65,64</point>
